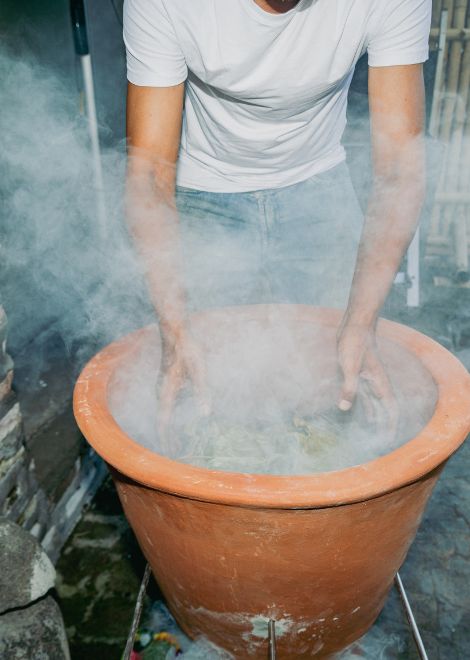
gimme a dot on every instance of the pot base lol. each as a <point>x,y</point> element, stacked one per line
<point>322,574</point>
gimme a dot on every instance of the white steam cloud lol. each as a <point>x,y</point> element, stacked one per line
<point>94,290</point>
<point>56,267</point>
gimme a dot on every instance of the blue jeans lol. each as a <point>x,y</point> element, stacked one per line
<point>294,244</point>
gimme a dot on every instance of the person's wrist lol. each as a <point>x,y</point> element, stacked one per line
<point>172,332</point>
<point>362,320</point>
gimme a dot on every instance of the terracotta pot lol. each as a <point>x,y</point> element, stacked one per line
<point>316,553</point>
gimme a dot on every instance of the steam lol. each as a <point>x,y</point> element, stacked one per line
<point>94,290</point>
<point>58,268</point>
<point>274,384</point>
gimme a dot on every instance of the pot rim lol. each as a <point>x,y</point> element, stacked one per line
<point>432,446</point>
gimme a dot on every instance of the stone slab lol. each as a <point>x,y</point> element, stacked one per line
<point>13,485</point>
<point>10,432</point>
<point>26,572</point>
<point>5,385</point>
<point>35,632</point>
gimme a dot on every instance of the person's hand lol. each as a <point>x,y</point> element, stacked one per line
<point>182,363</point>
<point>364,378</point>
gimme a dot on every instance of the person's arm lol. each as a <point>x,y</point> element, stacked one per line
<point>154,117</point>
<point>396,98</point>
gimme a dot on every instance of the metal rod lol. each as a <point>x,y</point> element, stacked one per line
<point>272,639</point>
<point>435,110</point>
<point>411,619</point>
<point>80,38</point>
<point>94,141</point>
<point>137,614</point>
<point>436,95</point>
<point>412,270</point>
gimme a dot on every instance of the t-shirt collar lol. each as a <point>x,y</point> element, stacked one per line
<point>266,17</point>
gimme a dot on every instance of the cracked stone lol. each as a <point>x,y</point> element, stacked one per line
<point>35,632</point>
<point>26,572</point>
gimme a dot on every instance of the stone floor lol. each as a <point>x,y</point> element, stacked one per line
<point>99,574</point>
<point>101,566</point>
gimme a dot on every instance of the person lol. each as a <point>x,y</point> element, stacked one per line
<point>235,114</point>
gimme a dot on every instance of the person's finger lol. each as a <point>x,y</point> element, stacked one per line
<point>351,345</point>
<point>390,405</point>
<point>367,404</point>
<point>377,383</point>
<point>381,388</point>
<point>348,389</point>
<point>169,388</point>
<point>197,375</point>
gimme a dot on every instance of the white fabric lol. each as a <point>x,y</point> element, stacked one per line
<point>266,93</point>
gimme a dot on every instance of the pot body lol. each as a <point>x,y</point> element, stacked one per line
<point>316,552</point>
<point>322,574</point>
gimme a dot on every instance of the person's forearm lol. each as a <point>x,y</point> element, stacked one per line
<point>153,221</point>
<point>391,220</point>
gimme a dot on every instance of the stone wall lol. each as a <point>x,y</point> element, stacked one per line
<point>22,498</point>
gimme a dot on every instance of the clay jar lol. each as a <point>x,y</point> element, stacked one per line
<point>317,553</point>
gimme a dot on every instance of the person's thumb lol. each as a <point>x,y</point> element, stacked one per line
<point>169,388</point>
<point>348,391</point>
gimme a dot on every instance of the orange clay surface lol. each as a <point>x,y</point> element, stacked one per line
<point>317,553</point>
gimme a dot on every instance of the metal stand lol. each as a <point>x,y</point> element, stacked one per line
<point>272,652</point>
<point>137,614</point>
<point>410,617</point>
<point>272,639</point>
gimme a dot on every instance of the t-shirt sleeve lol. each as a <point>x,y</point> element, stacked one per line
<point>401,35</point>
<point>154,56</point>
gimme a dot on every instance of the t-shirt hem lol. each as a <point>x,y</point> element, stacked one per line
<point>219,185</point>
<point>396,59</point>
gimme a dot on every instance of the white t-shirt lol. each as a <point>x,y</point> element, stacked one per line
<point>266,94</point>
